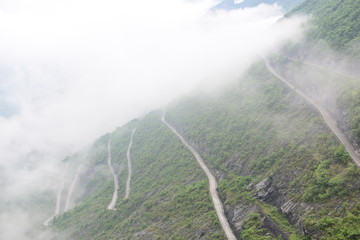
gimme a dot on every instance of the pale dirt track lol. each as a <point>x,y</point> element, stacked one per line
<point>212,185</point>
<point>322,67</point>
<point>327,117</point>
<point>128,155</point>
<point>58,199</point>
<point>116,180</point>
<point>71,190</point>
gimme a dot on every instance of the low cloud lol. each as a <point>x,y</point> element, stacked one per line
<point>77,69</point>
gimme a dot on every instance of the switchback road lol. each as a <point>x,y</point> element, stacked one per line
<point>58,199</point>
<point>71,190</point>
<point>128,155</point>
<point>327,117</point>
<point>116,180</point>
<point>212,184</point>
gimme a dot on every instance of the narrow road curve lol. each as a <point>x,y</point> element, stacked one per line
<point>327,117</point>
<point>324,68</point>
<point>212,184</point>
<point>318,66</point>
<point>71,190</point>
<point>128,155</point>
<point>116,181</point>
<point>58,199</point>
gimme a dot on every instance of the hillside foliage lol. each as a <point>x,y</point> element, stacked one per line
<point>336,21</point>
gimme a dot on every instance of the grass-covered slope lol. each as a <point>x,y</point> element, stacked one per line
<point>281,171</point>
<point>325,64</point>
<point>335,21</point>
<point>257,129</point>
<point>169,195</point>
<point>337,92</point>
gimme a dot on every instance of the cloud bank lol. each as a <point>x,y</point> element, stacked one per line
<point>74,70</point>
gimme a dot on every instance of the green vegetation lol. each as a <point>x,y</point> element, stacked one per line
<point>169,198</point>
<point>235,190</point>
<point>338,228</point>
<point>258,128</point>
<point>254,128</point>
<point>254,230</point>
<point>337,92</point>
<point>329,182</point>
<point>336,21</point>
<point>350,101</point>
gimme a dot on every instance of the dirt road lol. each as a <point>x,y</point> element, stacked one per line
<point>212,185</point>
<point>116,180</point>
<point>327,117</point>
<point>71,190</point>
<point>128,155</point>
<point>58,199</point>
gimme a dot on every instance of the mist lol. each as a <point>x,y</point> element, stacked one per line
<point>73,70</point>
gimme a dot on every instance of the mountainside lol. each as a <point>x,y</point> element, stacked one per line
<point>233,4</point>
<point>336,21</point>
<point>325,64</point>
<point>282,171</point>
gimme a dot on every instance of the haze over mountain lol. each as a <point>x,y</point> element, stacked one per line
<point>179,120</point>
<point>235,4</point>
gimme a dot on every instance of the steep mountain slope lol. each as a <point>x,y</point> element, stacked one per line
<point>168,200</point>
<point>264,131</point>
<point>336,21</point>
<point>281,171</point>
<point>325,64</point>
<point>233,4</point>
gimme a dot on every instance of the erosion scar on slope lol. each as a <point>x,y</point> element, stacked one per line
<point>58,199</point>
<point>116,181</point>
<point>326,116</point>
<point>212,184</point>
<point>128,155</point>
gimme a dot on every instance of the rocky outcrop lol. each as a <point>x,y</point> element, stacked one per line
<point>241,213</point>
<point>268,192</point>
<point>294,211</point>
<point>273,227</point>
<point>265,190</point>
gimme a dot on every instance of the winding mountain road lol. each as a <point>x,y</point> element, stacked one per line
<point>327,117</point>
<point>317,65</point>
<point>212,184</point>
<point>322,67</point>
<point>71,190</point>
<point>58,199</point>
<point>128,155</point>
<point>116,180</point>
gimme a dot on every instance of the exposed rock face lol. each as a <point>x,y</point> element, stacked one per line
<point>145,234</point>
<point>240,213</point>
<point>288,206</point>
<point>294,211</point>
<point>265,190</point>
<point>273,227</point>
